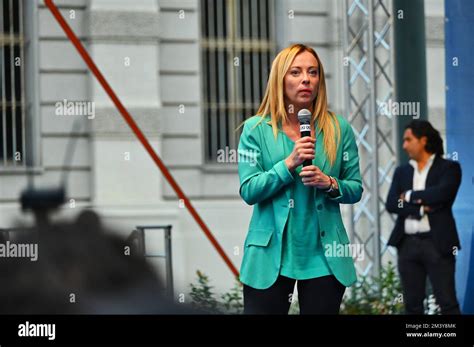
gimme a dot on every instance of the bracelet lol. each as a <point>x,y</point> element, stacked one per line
<point>331,186</point>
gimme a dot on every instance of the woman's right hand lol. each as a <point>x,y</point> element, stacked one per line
<point>303,149</point>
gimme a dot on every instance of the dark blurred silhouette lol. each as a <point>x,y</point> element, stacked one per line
<point>81,269</point>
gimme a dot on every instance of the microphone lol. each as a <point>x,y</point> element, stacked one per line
<point>304,117</point>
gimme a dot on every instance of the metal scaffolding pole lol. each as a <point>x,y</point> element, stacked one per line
<point>368,86</point>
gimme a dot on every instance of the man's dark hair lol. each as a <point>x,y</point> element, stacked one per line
<point>434,142</point>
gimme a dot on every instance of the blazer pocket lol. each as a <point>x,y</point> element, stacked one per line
<point>259,237</point>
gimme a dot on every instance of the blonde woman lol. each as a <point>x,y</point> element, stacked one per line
<point>296,228</point>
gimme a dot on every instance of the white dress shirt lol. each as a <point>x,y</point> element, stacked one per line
<point>413,226</point>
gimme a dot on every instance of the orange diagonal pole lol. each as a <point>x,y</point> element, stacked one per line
<point>139,134</point>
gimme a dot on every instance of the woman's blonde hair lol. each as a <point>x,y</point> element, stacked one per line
<point>273,102</point>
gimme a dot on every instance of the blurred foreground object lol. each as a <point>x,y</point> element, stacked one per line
<point>80,269</point>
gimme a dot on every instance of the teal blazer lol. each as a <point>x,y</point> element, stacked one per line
<point>264,183</point>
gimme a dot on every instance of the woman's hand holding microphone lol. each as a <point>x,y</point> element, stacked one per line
<point>311,175</point>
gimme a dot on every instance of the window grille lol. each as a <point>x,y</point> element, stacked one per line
<point>12,88</point>
<point>237,50</point>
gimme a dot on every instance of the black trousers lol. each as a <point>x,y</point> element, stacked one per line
<point>418,258</point>
<point>322,295</point>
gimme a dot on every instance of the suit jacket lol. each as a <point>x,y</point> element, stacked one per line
<point>265,184</point>
<point>442,184</point>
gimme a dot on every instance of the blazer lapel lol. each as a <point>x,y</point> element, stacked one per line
<point>278,153</point>
<point>275,148</point>
<point>320,158</point>
<point>432,172</point>
<point>409,177</point>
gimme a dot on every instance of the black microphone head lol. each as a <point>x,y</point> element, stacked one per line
<point>304,116</point>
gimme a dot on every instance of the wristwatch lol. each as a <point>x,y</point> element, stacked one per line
<point>332,187</point>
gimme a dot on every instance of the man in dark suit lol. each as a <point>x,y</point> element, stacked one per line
<point>422,194</point>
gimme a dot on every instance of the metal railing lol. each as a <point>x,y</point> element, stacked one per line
<point>137,239</point>
<point>6,233</point>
